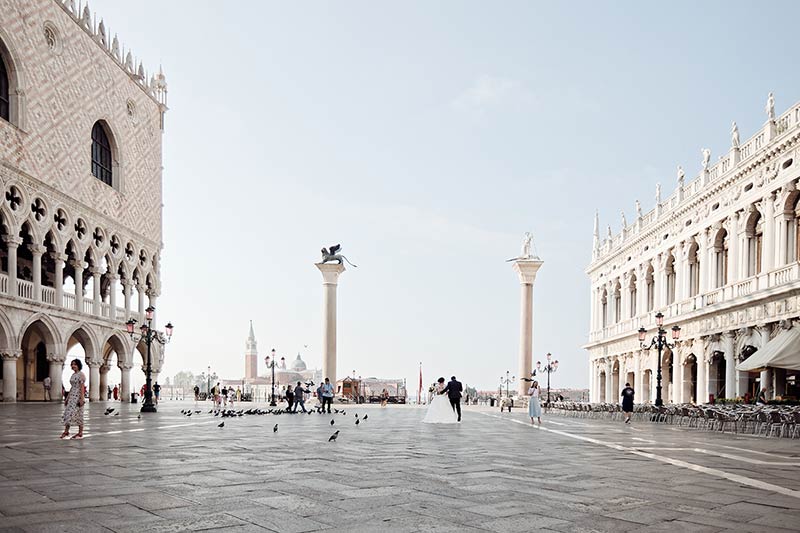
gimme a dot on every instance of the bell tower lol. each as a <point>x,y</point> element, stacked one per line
<point>251,356</point>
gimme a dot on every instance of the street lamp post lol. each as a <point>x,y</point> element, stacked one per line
<point>148,335</point>
<point>550,367</point>
<point>659,342</point>
<point>506,381</point>
<point>208,385</point>
<point>271,365</point>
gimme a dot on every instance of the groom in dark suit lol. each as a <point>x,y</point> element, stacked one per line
<point>453,390</point>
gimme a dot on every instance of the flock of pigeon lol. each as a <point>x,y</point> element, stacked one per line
<point>230,413</point>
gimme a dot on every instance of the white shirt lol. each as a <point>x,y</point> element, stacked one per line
<point>534,392</point>
<point>47,382</point>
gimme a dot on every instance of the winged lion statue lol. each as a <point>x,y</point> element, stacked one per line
<point>332,254</point>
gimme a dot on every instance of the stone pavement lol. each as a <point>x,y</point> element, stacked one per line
<point>494,472</point>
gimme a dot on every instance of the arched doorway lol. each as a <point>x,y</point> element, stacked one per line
<point>38,340</point>
<point>666,376</point>
<point>716,375</point>
<point>81,346</point>
<point>615,389</point>
<point>602,387</point>
<point>647,378</point>
<point>690,379</point>
<point>114,356</point>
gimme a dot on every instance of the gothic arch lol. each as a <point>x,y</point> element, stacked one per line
<point>118,343</point>
<point>113,136</point>
<point>49,330</point>
<point>84,335</point>
<point>16,79</point>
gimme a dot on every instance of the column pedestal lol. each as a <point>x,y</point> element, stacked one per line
<point>526,269</point>
<point>330,281</point>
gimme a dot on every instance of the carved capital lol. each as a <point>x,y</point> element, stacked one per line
<point>125,367</point>
<point>10,355</point>
<point>78,265</point>
<point>57,358</point>
<point>58,256</point>
<point>37,249</point>
<point>13,241</point>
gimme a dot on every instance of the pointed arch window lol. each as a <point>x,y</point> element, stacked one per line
<point>101,154</point>
<point>5,107</point>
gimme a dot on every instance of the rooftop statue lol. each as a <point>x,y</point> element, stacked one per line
<point>624,220</point>
<point>334,255</point>
<point>681,175</point>
<point>770,107</point>
<point>638,209</point>
<point>706,157</point>
<point>735,136</point>
<point>658,193</point>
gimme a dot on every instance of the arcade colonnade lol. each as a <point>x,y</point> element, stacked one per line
<point>35,345</point>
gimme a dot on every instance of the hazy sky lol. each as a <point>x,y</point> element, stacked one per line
<point>426,137</point>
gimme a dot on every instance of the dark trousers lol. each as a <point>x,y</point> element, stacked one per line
<point>290,401</point>
<point>302,404</point>
<point>455,403</point>
<point>327,400</point>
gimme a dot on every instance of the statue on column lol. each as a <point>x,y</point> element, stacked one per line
<point>334,255</point>
<point>735,136</point>
<point>770,109</point>
<point>525,253</point>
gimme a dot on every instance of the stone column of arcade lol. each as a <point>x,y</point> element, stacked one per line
<point>125,382</point>
<point>10,374</point>
<point>56,376</point>
<point>330,281</point>
<point>94,380</point>
<point>526,270</point>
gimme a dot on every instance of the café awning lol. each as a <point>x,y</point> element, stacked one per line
<point>781,352</point>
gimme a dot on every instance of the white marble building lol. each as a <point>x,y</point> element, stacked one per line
<point>719,258</point>
<point>80,213</point>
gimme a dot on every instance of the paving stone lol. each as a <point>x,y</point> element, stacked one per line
<point>489,474</point>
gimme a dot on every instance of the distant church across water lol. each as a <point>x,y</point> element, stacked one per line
<point>261,386</point>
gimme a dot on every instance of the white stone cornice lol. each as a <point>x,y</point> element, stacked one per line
<point>330,272</point>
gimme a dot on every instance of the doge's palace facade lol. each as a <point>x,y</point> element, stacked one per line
<point>719,258</point>
<point>80,213</point>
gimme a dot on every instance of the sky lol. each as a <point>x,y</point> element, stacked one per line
<point>426,138</point>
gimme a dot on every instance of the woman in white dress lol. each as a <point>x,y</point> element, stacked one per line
<point>439,410</point>
<point>534,408</point>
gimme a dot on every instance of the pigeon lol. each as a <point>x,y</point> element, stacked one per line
<point>139,417</point>
<point>116,414</point>
<point>366,416</point>
<point>331,422</point>
<point>222,425</point>
<point>197,412</point>
<point>188,414</point>
<point>358,421</point>
<point>211,411</point>
<point>334,436</point>
<point>275,429</point>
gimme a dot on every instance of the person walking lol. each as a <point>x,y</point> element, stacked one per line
<point>327,395</point>
<point>238,394</point>
<point>299,397</point>
<point>384,397</point>
<point>47,384</point>
<point>289,392</point>
<point>157,391</point>
<point>115,392</point>
<point>73,405</point>
<point>627,402</point>
<point>224,396</point>
<point>196,394</point>
<point>319,396</point>
<point>534,407</point>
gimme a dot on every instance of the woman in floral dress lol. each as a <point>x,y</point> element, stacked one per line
<point>73,405</point>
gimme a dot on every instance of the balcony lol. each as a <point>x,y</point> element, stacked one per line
<point>25,291</point>
<point>733,293</point>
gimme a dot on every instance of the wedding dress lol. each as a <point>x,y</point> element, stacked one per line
<point>439,410</point>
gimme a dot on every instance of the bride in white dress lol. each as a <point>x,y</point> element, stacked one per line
<point>439,409</point>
